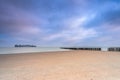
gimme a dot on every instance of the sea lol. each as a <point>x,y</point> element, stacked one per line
<point>17,50</point>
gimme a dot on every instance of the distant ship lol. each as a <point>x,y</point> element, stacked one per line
<point>24,45</point>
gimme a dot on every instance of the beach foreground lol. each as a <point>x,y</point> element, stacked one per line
<point>64,65</point>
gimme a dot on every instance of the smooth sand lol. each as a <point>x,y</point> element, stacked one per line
<point>69,65</point>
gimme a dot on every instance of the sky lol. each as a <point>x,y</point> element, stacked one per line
<point>60,22</point>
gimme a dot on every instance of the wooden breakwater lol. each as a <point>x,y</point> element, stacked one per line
<point>114,49</point>
<point>76,48</point>
<point>117,49</point>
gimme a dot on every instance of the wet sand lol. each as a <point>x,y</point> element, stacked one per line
<point>64,65</point>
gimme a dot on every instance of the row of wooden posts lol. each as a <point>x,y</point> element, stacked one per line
<point>113,49</point>
<point>93,49</point>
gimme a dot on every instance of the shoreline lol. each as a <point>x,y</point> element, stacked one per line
<point>29,50</point>
<point>34,52</point>
<point>45,52</point>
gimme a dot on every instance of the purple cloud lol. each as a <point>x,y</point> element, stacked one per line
<point>16,21</point>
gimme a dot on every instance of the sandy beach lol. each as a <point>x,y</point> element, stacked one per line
<point>64,65</point>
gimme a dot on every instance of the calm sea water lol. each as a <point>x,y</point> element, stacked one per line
<point>29,49</point>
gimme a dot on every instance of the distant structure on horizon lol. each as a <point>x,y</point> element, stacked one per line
<point>24,45</point>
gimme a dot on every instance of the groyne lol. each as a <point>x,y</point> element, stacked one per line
<point>93,48</point>
<point>86,48</point>
<point>114,49</point>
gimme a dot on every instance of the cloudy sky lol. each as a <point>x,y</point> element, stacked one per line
<point>60,22</point>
